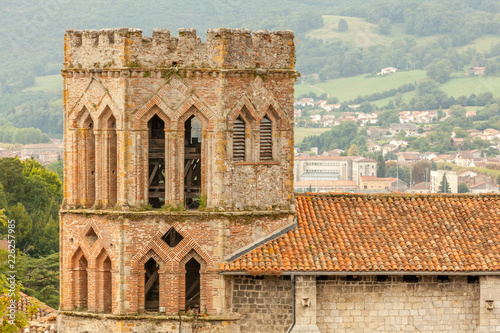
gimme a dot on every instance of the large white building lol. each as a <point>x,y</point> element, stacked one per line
<point>437,177</point>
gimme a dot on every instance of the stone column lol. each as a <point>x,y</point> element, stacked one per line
<point>489,304</point>
<point>305,305</point>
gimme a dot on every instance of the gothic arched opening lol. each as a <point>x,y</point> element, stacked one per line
<point>152,286</point>
<point>156,180</point>
<point>193,289</point>
<point>81,282</point>
<point>192,162</point>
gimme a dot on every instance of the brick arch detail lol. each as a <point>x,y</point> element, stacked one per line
<point>273,108</point>
<point>155,106</point>
<point>103,116</point>
<point>108,103</point>
<point>78,119</point>
<point>77,113</point>
<point>195,107</point>
<point>80,251</point>
<point>250,115</point>
<point>193,254</point>
<point>204,280</point>
<point>146,253</point>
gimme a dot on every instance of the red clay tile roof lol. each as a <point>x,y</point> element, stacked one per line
<point>42,320</point>
<point>383,233</point>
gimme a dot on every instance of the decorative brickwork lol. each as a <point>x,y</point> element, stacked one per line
<point>149,124</point>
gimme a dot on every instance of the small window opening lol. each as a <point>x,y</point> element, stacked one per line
<point>156,162</point>
<point>152,286</point>
<point>472,279</point>
<point>382,278</point>
<point>239,140</point>
<point>410,278</point>
<point>192,162</point>
<point>266,139</point>
<point>172,237</point>
<point>192,284</point>
<point>443,278</point>
<point>286,277</point>
<point>91,236</point>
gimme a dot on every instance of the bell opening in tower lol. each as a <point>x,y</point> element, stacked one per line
<point>192,284</point>
<point>192,163</point>
<point>156,181</point>
<point>151,286</point>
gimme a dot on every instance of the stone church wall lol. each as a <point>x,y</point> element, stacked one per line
<point>395,306</point>
<point>266,305</point>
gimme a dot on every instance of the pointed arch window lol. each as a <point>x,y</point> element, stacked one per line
<point>266,139</point>
<point>239,140</point>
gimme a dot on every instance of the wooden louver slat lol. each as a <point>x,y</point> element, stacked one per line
<point>266,139</point>
<point>239,140</point>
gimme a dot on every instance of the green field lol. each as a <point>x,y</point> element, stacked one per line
<point>351,87</point>
<point>301,133</point>
<point>50,83</point>
<point>362,33</point>
<point>482,44</point>
<point>472,85</point>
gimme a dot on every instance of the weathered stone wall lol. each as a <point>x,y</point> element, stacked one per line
<point>265,305</point>
<point>132,96</point>
<point>395,306</point>
<point>115,82</point>
<point>489,304</point>
<point>129,239</point>
<point>85,323</point>
<point>224,48</point>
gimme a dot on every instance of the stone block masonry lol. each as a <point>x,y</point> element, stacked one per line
<point>368,305</point>
<point>265,304</point>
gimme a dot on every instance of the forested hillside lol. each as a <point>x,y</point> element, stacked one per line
<point>409,34</point>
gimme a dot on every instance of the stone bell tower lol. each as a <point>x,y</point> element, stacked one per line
<point>178,156</point>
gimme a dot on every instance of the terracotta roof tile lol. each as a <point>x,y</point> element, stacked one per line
<point>383,233</point>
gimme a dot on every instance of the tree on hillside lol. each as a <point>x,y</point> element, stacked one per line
<point>365,107</point>
<point>31,195</point>
<point>460,133</point>
<point>342,25</point>
<point>353,151</point>
<point>444,186</point>
<point>384,26</point>
<point>463,188</point>
<point>380,166</point>
<point>40,277</point>
<point>439,71</point>
<point>385,118</point>
<point>420,171</point>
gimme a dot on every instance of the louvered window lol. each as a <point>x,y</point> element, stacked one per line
<point>239,140</point>
<point>266,139</point>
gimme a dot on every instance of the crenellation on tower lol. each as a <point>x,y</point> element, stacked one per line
<point>224,48</point>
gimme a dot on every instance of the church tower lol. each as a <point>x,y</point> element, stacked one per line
<point>178,156</point>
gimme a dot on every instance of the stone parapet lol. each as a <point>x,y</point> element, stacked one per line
<point>223,49</point>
